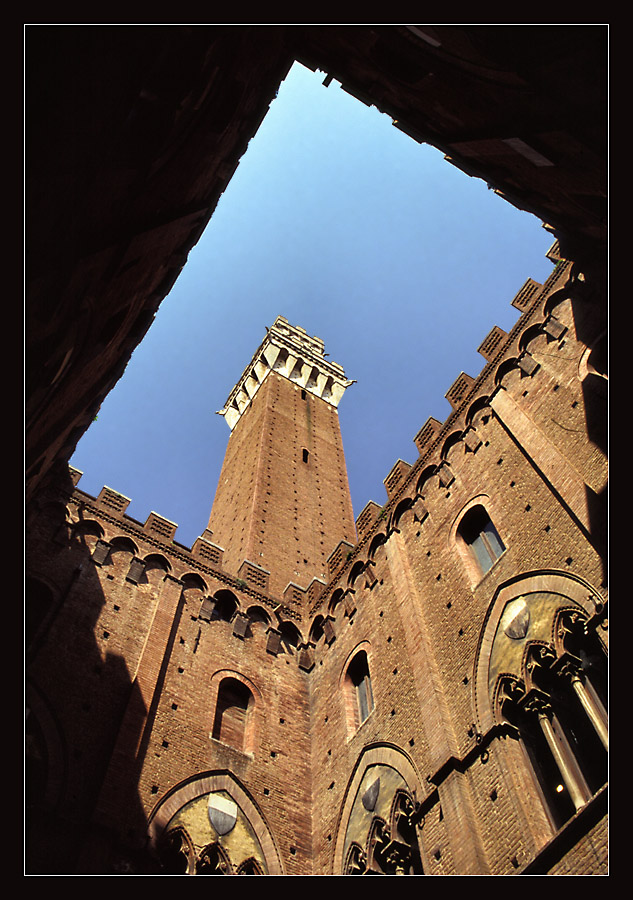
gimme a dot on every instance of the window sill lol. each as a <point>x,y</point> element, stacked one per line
<point>569,835</point>
<point>485,575</point>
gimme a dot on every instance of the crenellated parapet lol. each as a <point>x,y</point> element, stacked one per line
<point>444,446</point>
<point>290,352</point>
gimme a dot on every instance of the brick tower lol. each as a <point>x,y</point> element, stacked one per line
<point>282,501</point>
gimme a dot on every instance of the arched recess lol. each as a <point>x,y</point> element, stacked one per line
<point>479,410</point>
<point>355,573</point>
<point>224,827</point>
<point>316,630</point>
<point>258,619</point>
<point>451,441</point>
<point>336,600</point>
<point>290,637</point>
<point>193,590</point>
<point>557,298</point>
<point>506,367</point>
<point>377,829</point>
<point>87,532</point>
<point>237,708</point>
<point>532,333</point>
<point>540,673</point>
<point>123,545</point>
<point>378,542</point>
<point>225,606</point>
<point>425,477</point>
<point>400,511</point>
<point>191,581</point>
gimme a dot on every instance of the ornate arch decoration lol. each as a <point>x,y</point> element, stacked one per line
<point>214,860</point>
<point>355,860</point>
<point>541,672</point>
<point>249,866</point>
<point>198,789</point>
<point>573,591</point>
<point>377,840</point>
<point>350,857</point>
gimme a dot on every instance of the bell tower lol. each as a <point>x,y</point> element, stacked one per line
<point>283,500</point>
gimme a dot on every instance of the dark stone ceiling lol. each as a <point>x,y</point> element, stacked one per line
<point>133,132</point>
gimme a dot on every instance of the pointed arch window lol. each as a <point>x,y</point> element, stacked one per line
<point>555,704</point>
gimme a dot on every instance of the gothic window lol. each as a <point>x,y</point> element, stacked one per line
<point>556,705</point>
<point>249,867</point>
<point>213,861</point>
<point>233,713</point>
<point>381,836</point>
<point>359,683</point>
<point>176,853</point>
<point>481,538</point>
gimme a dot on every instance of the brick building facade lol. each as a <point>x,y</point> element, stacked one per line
<point>420,692</point>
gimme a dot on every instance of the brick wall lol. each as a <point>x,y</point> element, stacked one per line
<point>134,636</point>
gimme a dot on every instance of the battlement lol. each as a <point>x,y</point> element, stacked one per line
<point>292,353</point>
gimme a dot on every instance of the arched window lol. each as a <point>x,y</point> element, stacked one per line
<point>480,538</point>
<point>553,693</point>
<point>359,684</point>
<point>232,714</point>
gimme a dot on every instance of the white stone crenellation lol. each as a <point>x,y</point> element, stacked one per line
<point>292,353</point>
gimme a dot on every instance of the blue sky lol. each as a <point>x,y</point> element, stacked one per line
<point>334,219</point>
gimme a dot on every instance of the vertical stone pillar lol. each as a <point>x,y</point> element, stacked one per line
<point>560,749</point>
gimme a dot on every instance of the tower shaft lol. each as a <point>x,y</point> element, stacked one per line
<point>283,499</point>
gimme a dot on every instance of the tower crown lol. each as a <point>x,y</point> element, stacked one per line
<point>292,353</point>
